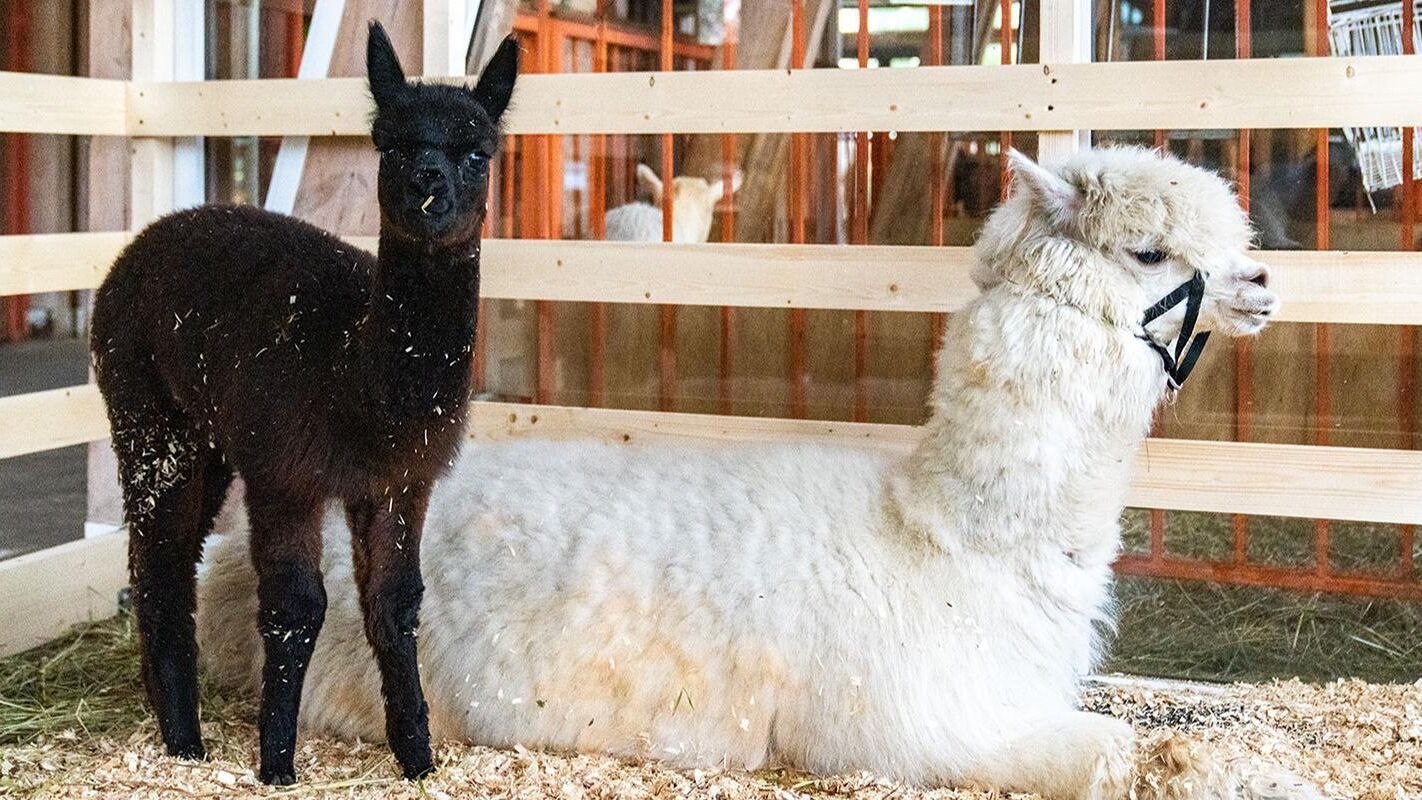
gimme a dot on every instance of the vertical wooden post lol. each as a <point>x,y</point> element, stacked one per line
<point>1004,57</point>
<point>189,44</point>
<point>1158,42</point>
<point>1157,515</point>
<point>1323,397</point>
<point>1065,39</point>
<point>109,46</point>
<point>448,26</point>
<point>666,335</point>
<point>17,151</point>
<point>1407,335</point>
<point>597,211</point>
<point>795,207</point>
<point>860,229</point>
<point>726,386</point>
<point>936,176</point>
<point>1243,355</point>
<point>151,175</point>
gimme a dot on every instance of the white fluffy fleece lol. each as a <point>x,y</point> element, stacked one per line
<point>830,609</point>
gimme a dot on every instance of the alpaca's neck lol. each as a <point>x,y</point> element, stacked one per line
<point>1038,411</point>
<point>420,334</point>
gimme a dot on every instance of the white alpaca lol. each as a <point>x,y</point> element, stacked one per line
<point>829,608</point>
<point>693,207</point>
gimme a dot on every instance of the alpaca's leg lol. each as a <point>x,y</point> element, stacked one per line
<point>385,535</point>
<point>164,474</point>
<point>291,605</point>
<point>1074,756</point>
<point>216,480</point>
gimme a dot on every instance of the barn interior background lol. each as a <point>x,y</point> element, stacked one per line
<point>1286,480</point>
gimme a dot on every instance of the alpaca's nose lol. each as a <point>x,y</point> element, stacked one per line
<point>429,181</point>
<point>1259,277</point>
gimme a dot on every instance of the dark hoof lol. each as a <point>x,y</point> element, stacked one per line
<point>277,776</point>
<point>419,769</point>
<point>192,751</point>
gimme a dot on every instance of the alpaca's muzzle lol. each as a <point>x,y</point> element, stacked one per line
<point>1179,361</point>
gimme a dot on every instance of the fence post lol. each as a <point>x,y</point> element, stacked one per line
<point>1065,39</point>
<point>151,194</point>
<point>448,28</point>
<point>154,59</point>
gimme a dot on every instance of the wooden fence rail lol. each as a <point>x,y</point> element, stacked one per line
<point>1246,93</point>
<point>1379,288</point>
<point>1366,485</point>
<point>1252,93</point>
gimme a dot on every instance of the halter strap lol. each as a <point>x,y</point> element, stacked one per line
<point>1188,347</point>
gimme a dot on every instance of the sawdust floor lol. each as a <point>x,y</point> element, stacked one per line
<point>1355,739</point>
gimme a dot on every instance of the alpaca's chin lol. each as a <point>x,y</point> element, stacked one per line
<point>1250,321</point>
<point>438,231</point>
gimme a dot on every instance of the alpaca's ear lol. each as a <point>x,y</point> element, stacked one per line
<point>1046,188</point>
<point>496,82</point>
<point>649,180</point>
<point>719,187</point>
<point>382,66</point>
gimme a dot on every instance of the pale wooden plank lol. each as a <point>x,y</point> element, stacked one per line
<point>1365,287</point>
<point>1369,485</point>
<point>109,40</point>
<point>490,421</point>
<point>448,26</point>
<point>45,593</point>
<point>1284,480</point>
<point>881,278</point>
<point>1225,477</point>
<point>46,420</point>
<point>1378,288</point>
<point>152,164</point>
<point>1255,93</point>
<point>35,103</point>
<point>55,262</point>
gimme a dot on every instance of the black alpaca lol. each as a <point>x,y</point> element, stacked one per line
<point>229,338</point>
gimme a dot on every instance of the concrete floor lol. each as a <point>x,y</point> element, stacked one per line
<point>42,495</point>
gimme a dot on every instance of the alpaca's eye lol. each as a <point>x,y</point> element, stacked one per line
<point>475,159</point>
<point>1150,257</point>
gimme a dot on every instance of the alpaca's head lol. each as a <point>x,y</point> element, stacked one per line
<point>1113,230</point>
<point>435,143</point>
<point>693,201</point>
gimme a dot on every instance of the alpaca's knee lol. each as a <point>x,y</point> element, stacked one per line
<point>392,614</point>
<point>292,605</point>
<point>1077,756</point>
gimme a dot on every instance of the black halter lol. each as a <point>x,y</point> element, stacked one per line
<point>1181,361</point>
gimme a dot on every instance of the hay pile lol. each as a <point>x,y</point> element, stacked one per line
<point>73,724</point>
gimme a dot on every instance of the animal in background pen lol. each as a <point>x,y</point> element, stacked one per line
<point>925,616</point>
<point>230,339</point>
<point>693,209</point>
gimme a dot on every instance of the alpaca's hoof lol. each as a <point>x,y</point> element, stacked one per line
<point>277,776</point>
<point>192,751</point>
<point>418,769</point>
